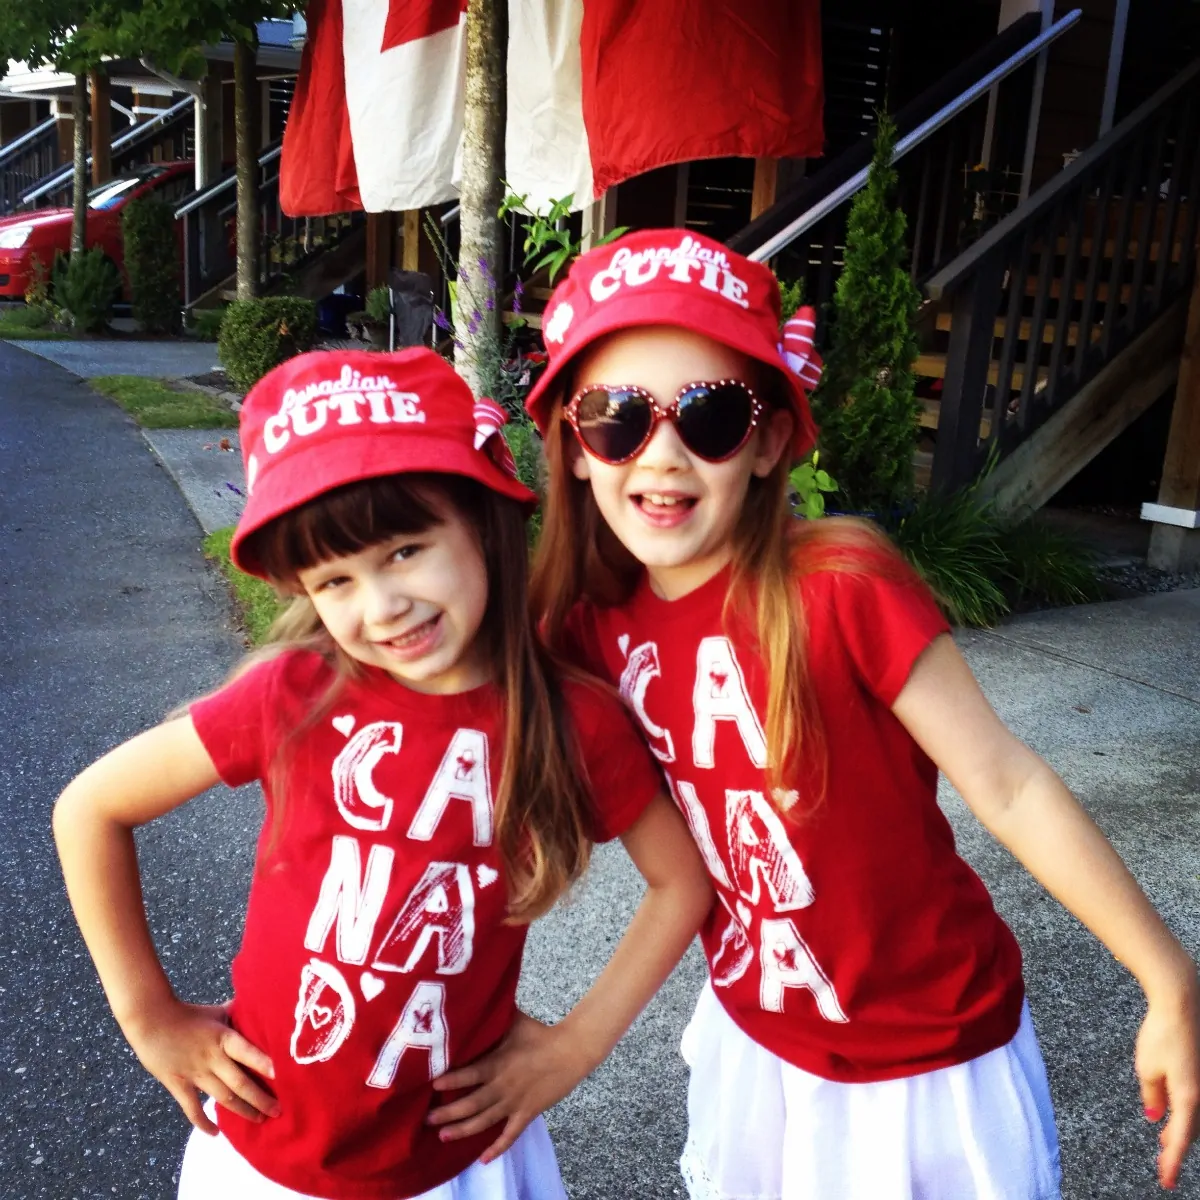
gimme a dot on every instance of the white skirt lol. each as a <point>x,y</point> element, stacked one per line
<point>762,1129</point>
<point>213,1170</point>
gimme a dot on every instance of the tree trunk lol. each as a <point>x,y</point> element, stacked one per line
<point>245,99</point>
<point>478,305</point>
<point>79,109</point>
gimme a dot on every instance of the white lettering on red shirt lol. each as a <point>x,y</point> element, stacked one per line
<point>359,801</point>
<point>324,1013</point>
<point>440,908</point>
<point>850,939</point>
<point>719,694</point>
<point>350,899</point>
<point>422,1026</point>
<point>462,775</point>
<point>641,668</point>
<point>376,952</point>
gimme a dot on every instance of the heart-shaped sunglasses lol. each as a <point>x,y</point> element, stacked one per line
<point>714,418</point>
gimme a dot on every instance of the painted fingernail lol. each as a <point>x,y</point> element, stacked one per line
<point>1152,1114</point>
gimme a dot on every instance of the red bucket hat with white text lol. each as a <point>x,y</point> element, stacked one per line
<point>675,277</point>
<point>329,418</point>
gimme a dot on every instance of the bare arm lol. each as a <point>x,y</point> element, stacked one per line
<point>1029,810</point>
<point>184,1046</point>
<point>537,1065</point>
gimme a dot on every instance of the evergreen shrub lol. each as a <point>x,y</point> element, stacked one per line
<point>257,335</point>
<point>379,304</point>
<point>866,404</point>
<point>86,286</point>
<point>152,264</point>
<point>206,323</point>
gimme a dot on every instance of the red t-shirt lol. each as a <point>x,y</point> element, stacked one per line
<point>850,939</point>
<point>375,955</point>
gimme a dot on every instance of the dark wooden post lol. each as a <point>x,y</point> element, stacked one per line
<point>766,178</point>
<point>101,126</point>
<point>967,359</point>
<point>380,237</point>
<point>1175,546</point>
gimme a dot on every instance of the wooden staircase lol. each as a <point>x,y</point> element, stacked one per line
<point>1025,359</point>
<point>1054,331</point>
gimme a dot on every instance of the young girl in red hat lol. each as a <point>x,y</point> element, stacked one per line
<point>432,784</point>
<point>864,1033</point>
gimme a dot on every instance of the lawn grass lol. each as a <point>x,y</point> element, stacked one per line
<point>28,324</point>
<point>153,404</point>
<point>256,601</point>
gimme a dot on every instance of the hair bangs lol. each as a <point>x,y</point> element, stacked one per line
<point>346,520</point>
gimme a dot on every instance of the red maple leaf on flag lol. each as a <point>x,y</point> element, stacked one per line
<point>407,21</point>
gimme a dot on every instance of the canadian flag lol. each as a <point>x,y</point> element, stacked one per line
<point>598,91</point>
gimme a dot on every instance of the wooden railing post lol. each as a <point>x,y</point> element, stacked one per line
<point>1175,539</point>
<point>976,304</point>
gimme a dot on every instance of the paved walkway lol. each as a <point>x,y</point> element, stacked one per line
<point>110,617</point>
<point>126,356</point>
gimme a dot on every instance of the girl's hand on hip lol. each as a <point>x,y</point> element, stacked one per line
<point>191,1048</point>
<point>1167,1061</point>
<point>533,1068</point>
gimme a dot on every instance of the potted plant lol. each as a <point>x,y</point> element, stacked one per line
<point>372,324</point>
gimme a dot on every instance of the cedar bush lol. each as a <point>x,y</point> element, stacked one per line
<point>86,286</point>
<point>866,405</point>
<point>206,323</point>
<point>257,335</point>
<point>152,264</point>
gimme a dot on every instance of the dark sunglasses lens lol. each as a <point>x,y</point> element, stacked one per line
<point>613,424</point>
<point>714,419</point>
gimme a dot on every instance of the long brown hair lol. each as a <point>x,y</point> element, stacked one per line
<point>544,813</point>
<point>579,557</point>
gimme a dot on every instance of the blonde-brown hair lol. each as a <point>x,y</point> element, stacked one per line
<point>579,557</point>
<point>544,811</point>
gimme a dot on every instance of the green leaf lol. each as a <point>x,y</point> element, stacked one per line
<point>803,478</point>
<point>612,235</point>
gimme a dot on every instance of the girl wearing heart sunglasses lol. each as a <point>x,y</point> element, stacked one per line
<point>864,1033</point>
<point>433,782</point>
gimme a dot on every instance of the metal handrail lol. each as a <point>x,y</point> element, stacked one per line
<point>224,184</point>
<point>6,152</point>
<point>128,138</point>
<point>947,113</point>
<point>945,280</point>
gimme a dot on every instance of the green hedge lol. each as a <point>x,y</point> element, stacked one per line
<point>257,335</point>
<point>152,264</point>
<point>86,285</point>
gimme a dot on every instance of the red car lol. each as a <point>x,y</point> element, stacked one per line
<point>44,231</point>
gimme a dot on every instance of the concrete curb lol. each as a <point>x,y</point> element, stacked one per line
<point>206,465</point>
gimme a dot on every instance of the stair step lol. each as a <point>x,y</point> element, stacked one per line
<point>1110,246</point>
<point>932,411</point>
<point>933,366</point>
<point>945,322</point>
<point>1056,289</point>
<point>922,468</point>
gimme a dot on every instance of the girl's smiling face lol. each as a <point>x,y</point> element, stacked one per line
<point>674,511</point>
<point>411,605</point>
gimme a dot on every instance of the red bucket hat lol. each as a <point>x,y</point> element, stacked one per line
<point>675,277</point>
<point>328,418</point>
